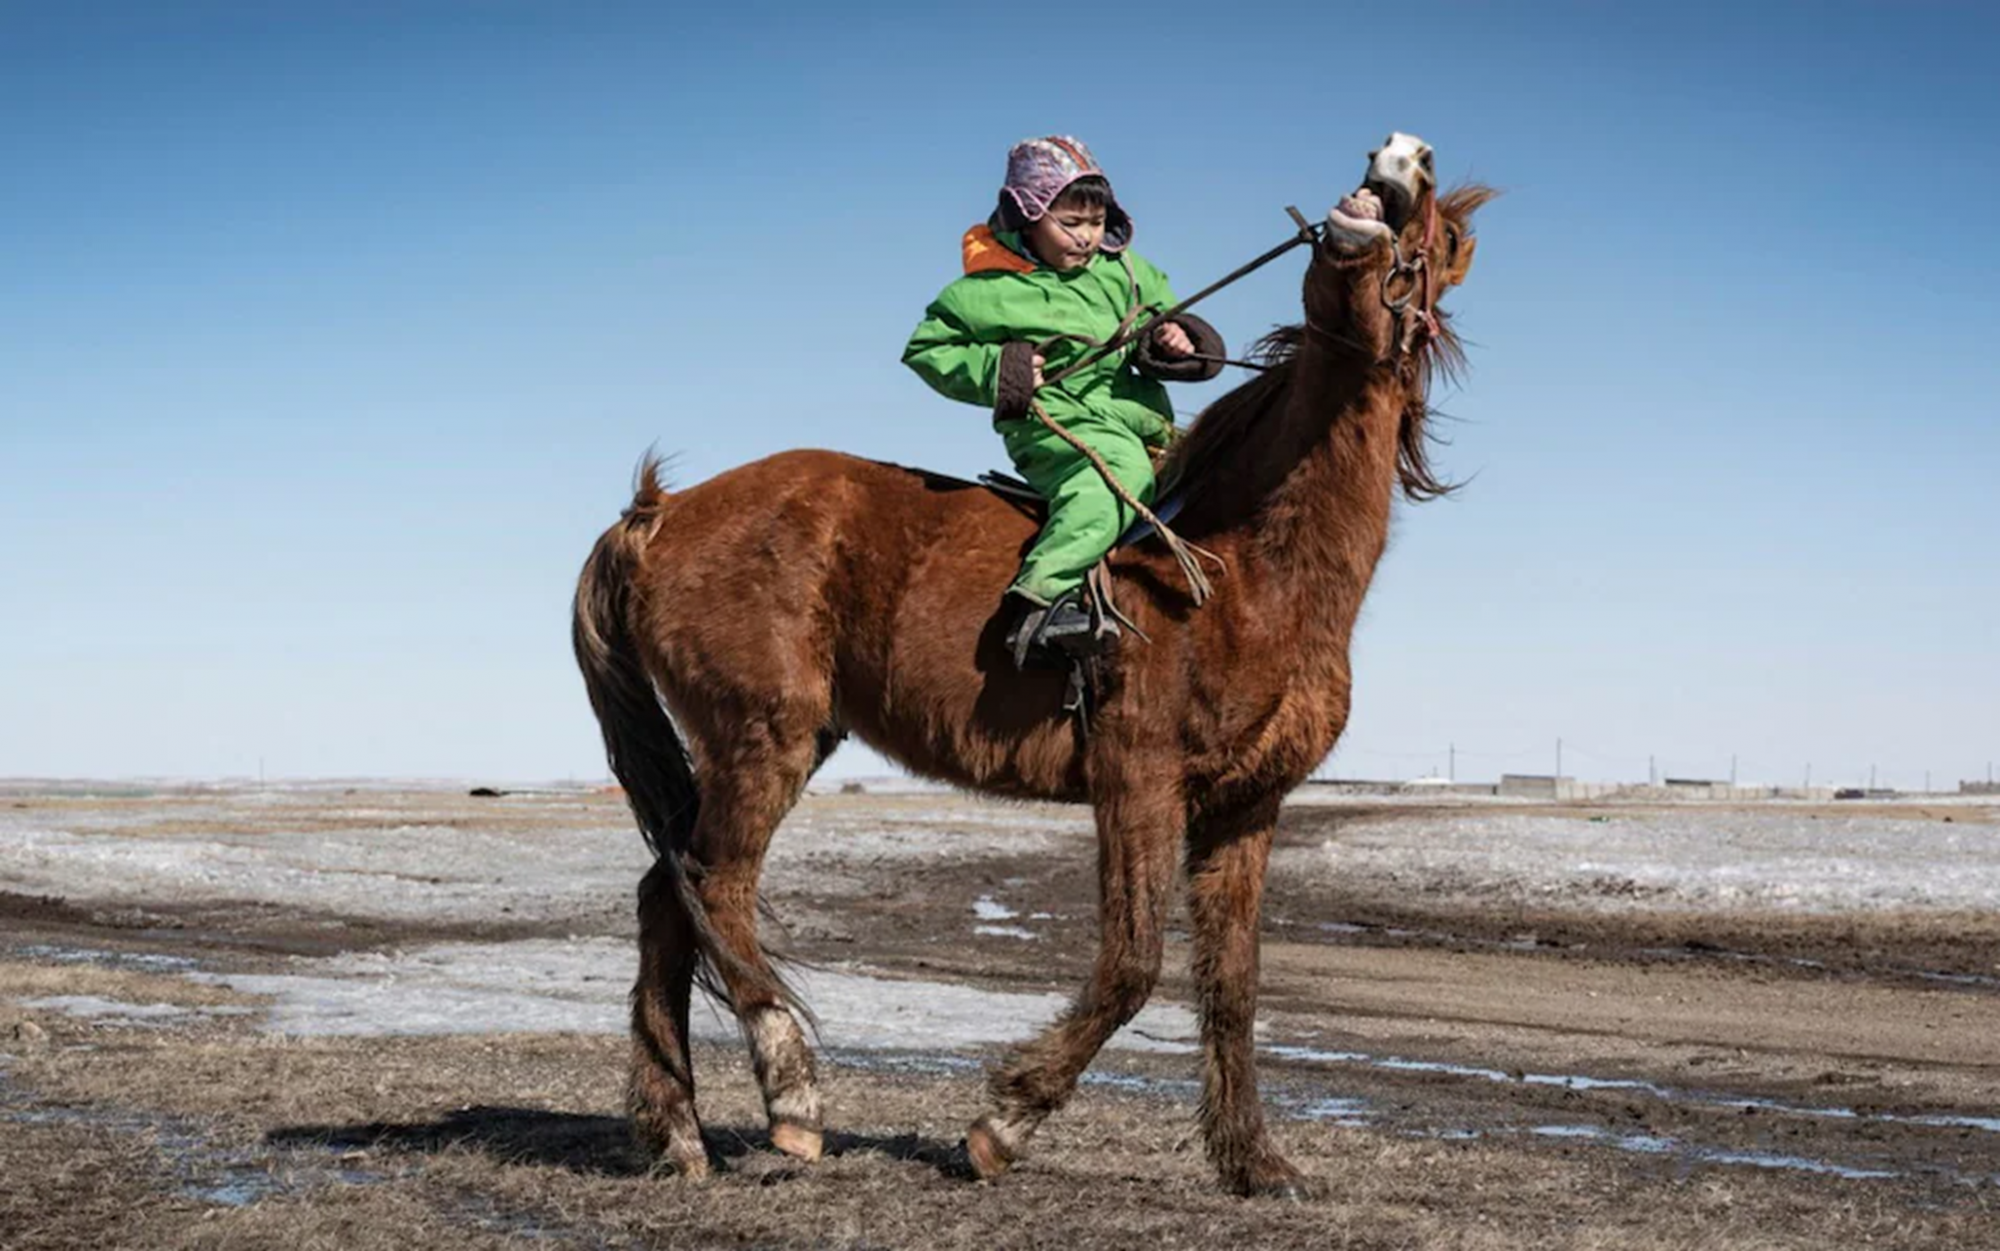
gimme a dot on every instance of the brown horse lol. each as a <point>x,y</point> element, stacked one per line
<point>784,604</point>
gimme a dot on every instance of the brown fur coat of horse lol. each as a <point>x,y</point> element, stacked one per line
<point>781,605</point>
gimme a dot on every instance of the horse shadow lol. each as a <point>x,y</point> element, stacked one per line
<point>599,1146</point>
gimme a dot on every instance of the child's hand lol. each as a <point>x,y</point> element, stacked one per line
<point>1173,340</point>
<point>1038,371</point>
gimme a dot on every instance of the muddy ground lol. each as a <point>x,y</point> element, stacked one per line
<point>1456,1062</point>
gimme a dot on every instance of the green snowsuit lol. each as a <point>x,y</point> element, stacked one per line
<point>1005,297</point>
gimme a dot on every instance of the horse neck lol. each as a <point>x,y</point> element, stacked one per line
<point>1325,522</point>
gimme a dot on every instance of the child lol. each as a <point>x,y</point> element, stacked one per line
<point>1050,262</point>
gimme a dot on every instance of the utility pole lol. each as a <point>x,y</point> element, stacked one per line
<point>1652,772</point>
<point>1559,760</point>
<point>1451,770</point>
<point>1871,777</point>
<point>1808,775</point>
<point>1732,768</point>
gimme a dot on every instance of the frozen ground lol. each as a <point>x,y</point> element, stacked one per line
<point>544,856</point>
<point>1794,988</point>
<point>1712,858</point>
<point>580,985</point>
<point>551,857</point>
<point>566,859</point>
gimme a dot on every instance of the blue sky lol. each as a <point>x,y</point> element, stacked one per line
<point>330,333</point>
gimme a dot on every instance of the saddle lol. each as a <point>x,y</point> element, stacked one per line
<point>1084,662</point>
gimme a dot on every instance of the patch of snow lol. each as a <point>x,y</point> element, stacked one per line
<point>580,985</point>
<point>1005,931</point>
<point>986,908</point>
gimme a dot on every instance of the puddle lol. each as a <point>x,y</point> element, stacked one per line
<point>1353,1113</point>
<point>1651,1144</point>
<point>1357,1113</point>
<point>1669,1094</point>
<point>138,961</point>
<point>1988,1124</point>
<point>205,1170</point>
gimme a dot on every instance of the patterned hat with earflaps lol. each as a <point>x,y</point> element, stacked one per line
<point>1037,172</point>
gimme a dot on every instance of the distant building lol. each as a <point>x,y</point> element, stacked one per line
<point>1535,786</point>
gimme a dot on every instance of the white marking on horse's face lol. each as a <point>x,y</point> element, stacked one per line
<point>1404,162</point>
<point>1398,172</point>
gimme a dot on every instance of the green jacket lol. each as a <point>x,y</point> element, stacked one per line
<point>1006,297</point>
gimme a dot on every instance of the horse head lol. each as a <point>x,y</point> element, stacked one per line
<point>1389,250</point>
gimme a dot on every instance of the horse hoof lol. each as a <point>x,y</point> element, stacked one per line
<point>689,1168</point>
<point>1290,1189</point>
<point>1278,1180</point>
<point>797,1141</point>
<point>988,1155</point>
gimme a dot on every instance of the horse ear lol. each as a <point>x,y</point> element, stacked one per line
<point>1461,260</point>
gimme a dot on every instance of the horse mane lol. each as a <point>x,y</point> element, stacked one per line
<point>1222,430</point>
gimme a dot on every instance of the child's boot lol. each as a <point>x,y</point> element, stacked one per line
<point>1068,626</point>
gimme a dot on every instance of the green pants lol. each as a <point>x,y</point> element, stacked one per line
<point>1085,516</point>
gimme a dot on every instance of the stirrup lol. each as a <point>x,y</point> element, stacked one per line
<point>1074,627</point>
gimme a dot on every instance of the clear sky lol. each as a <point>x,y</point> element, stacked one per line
<point>331,332</point>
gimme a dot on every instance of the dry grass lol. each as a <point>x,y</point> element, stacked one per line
<point>518,1141</point>
<point>41,981</point>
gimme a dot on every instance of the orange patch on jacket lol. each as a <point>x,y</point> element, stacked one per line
<point>982,252</point>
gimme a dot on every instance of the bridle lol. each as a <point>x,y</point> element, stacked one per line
<point>1413,276</point>
<point>1418,272</point>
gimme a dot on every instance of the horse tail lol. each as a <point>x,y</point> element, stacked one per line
<point>646,752</point>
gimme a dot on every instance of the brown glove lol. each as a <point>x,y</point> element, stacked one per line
<point>1014,382</point>
<point>1153,363</point>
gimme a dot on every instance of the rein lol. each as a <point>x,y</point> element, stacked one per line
<point>1127,332</point>
<point>1131,329</point>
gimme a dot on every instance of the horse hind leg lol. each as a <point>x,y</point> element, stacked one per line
<point>746,792</point>
<point>660,1090</point>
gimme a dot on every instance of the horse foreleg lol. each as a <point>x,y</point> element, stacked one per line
<point>1227,855</point>
<point>1139,826</point>
<point>660,1094</point>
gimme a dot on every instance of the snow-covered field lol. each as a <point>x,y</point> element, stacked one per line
<point>1776,856</point>
<point>434,857</point>
<point>567,859</point>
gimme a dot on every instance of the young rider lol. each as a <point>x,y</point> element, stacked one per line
<point>1049,274</point>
